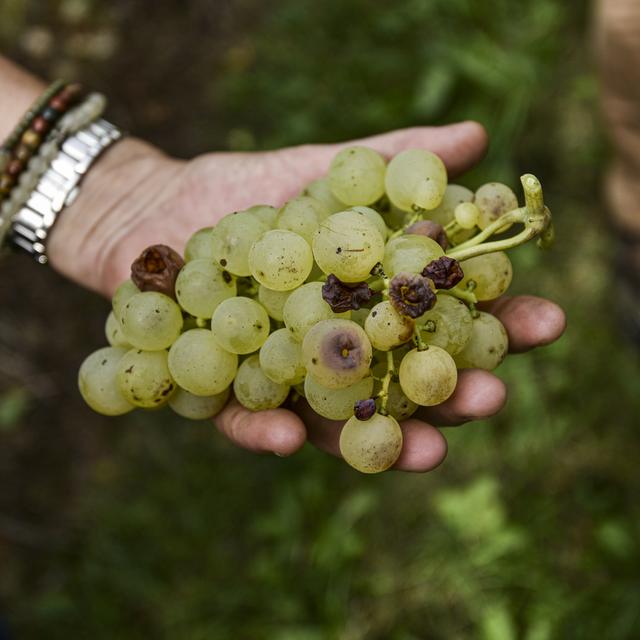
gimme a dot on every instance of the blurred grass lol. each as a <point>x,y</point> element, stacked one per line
<point>148,527</point>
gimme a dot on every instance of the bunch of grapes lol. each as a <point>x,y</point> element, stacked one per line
<point>360,296</point>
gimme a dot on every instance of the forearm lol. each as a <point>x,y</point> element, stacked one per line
<point>78,241</point>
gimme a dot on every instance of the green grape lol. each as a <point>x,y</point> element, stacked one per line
<point>410,253</point>
<point>144,378</point>
<point>356,175</point>
<point>336,404</point>
<point>201,286</point>
<point>386,328</point>
<point>493,200</point>
<point>280,260</point>
<point>240,325</point>
<point>281,358</point>
<point>254,390</point>
<point>306,307</point>
<point>447,324</point>
<point>398,405</point>
<point>199,365</point>
<point>373,445</point>
<point>199,245</point>
<point>428,377</point>
<point>374,217</point>
<point>187,405</point>
<point>151,321</point>
<point>491,274</point>
<point>416,178</point>
<point>488,345</point>
<point>337,353</point>
<point>302,215</point>
<point>232,239</point>
<point>467,215</point>
<point>320,190</point>
<point>348,245</point>
<point>123,293</point>
<point>273,301</point>
<point>265,214</point>
<point>114,333</point>
<point>98,382</point>
<point>454,195</point>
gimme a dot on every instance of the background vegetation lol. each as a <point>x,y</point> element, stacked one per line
<point>147,527</point>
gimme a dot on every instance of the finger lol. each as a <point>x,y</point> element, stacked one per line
<point>460,145</point>
<point>273,431</point>
<point>423,449</point>
<point>478,395</point>
<point>530,321</point>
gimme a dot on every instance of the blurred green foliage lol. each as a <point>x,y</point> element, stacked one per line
<point>530,529</point>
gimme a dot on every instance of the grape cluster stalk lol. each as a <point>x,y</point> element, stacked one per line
<point>359,296</point>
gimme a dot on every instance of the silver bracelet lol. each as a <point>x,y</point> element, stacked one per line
<point>58,186</point>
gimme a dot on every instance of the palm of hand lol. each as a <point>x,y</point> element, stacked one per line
<point>183,197</point>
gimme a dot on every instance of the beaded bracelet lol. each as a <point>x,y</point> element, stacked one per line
<point>88,111</point>
<point>26,138</point>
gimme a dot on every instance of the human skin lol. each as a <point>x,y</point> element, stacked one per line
<point>135,195</point>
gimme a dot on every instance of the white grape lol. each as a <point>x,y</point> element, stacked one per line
<point>320,190</point>
<point>410,253</point>
<point>348,245</point>
<point>273,301</point>
<point>356,175</point>
<point>493,200</point>
<point>240,325</point>
<point>467,215</point>
<point>336,404</point>
<point>200,365</point>
<point>280,260</point>
<point>373,445</point>
<point>187,405</point>
<point>302,215</point>
<point>254,390</point>
<point>199,245</point>
<point>125,291</point>
<point>201,286</point>
<point>447,324</point>
<point>386,328</point>
<point>416,178</point>
<point>113,332</point>
<point>428,377</point>
<point>144,378</point>
<point>488,345</point>
<point>98,382</point>
<point>151,321</point>
<point>490,274</point>
<point>281,358</point>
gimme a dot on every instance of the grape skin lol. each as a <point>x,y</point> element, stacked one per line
<point>386,328</point>
<point>199,365</point>
<point>187,405</point>
<point>281,358</point>
<point>144,378</point>
<point>373,216</point>
<point>320,190</point>
<point>280,260</point>
<point>305,307</point>
<point>488,345</point>
<point>337,353</point>
<point>356,175</point>
<point>232,239</point>
<point>302,215</point>
<point>373,445</point>
<point>151,321</point>
<point>199,245</point>
<point>113,332</point>
<point>254,390</point>
<point>410,253</point>
<point>493,200</point>
<point>98,382</point>
<point>273,301</point>
<point>123,294</point>
<point>348,245</point>
<point>265,213</point>
<point>416,178</point>
<point>201,286</point>
<point>428,377</point>
<point>450,321</point>
<point>492,274</point>
<point>398,405</point>
<point>336,404</point>
<point>454,195</point>
<point>467,215</point>
<point>240,325</point>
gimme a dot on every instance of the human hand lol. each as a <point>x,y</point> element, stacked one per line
<point>136,196</point>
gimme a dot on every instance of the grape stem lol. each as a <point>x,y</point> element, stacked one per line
<point>465,295</point>
<point>383,394</point>
<point>420,343</point>
<point>418,215</point>
<point>535,217</point>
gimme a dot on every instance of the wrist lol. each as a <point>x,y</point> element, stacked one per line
<point>110,201</point>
